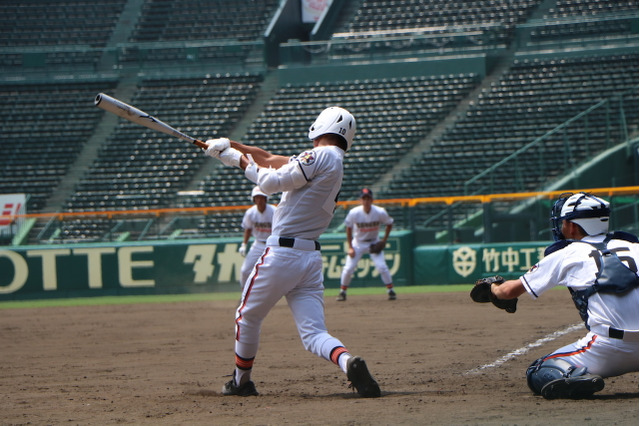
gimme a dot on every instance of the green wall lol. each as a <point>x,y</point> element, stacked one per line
<point>190,266</point>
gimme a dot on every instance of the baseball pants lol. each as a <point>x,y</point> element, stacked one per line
<point>257,247</point>
<point>297,275</point>
<point>352,262</point>
<point>604,356</point>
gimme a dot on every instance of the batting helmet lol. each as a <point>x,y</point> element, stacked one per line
<point>588,211</point>
<point>337,121</point>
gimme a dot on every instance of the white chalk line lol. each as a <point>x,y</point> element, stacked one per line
<point>525,349</point>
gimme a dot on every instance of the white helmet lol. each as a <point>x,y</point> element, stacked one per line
<point>588,211</point>
<point>334,120</point>
<point>257,191</point>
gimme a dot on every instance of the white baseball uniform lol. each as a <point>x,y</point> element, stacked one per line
<point>365,230</point>
<point>291,264</point>
<point>260,225</point>
<point>575,267</point>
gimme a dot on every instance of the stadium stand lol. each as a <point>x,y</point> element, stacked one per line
<point>433,25</point>
<point>82,24</point>
<point>44,127</point>
<point>194,20</point>
<point>532,97</point>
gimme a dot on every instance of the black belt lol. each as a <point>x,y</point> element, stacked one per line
<point>289,242</point>
<point>614,333</point>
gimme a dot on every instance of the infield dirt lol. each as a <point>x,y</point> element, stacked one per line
<point>166,363</point>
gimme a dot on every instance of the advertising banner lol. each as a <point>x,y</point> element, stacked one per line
<point>190,266</point>
<point>464,264</point>
<point>312,10</point>
<point>11,204</point>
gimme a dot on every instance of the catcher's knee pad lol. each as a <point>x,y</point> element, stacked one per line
<point>545,370</point>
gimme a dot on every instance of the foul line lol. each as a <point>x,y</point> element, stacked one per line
<point>525,349</point>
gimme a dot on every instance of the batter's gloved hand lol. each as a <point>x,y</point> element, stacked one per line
<point>242,249</point>
<point>481,293</point>
<point>376,248</point>
<point>230,157</point>
<point>216,146</point>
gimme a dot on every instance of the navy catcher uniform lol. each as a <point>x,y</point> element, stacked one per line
<point>363,236</point>
<point>601,272</point>
<point>256,222</point>
<point>291,265</point>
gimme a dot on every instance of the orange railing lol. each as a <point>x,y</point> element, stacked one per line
<point>402,202</point>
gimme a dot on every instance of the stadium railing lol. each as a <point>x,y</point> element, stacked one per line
<point>156,224</point>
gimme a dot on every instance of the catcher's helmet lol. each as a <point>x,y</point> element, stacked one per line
<point>337,121</point>
<point>588,211</point>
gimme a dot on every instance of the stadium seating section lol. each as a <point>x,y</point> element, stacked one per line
<point>46,125</point>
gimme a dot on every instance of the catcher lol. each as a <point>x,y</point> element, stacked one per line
<point>600,269</point>
<point>363,229</point>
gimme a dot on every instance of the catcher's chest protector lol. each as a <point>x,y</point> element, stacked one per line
<point>613,277</point>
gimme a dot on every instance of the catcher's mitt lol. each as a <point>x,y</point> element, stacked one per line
<point>481,293</point>
<point>376,248</point>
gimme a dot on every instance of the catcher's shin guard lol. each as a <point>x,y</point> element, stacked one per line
<point>557,378</point>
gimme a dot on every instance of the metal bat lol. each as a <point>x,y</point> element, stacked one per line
<point>134,115</point>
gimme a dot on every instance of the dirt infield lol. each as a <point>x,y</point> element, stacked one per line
<point>166,363</point>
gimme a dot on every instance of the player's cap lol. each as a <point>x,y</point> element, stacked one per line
<point>257,191</point>
<point>366,192</point>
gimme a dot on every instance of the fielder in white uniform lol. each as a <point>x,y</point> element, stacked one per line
<point>604,290</point>
<point>363,229</point>
<point>291,265</point>
<point>256,222</point>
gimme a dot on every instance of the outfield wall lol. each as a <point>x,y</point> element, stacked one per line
<point>198,266</point>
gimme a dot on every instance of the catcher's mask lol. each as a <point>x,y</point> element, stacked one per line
<point>337,121</point>
<point>588,211</point>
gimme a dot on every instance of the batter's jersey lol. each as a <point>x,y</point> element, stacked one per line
<point>259,223</point>
<point>575,267</point>
<point>366,226</point>
<point>310,183</point>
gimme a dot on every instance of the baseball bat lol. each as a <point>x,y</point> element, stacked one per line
<point>137,116</point>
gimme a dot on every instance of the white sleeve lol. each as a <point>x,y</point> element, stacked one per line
<point>348,221</point>
<point>387,220</point>
<point>247,223</point>
<point>286,178</point>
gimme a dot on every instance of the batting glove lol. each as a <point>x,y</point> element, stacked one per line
<point>251,172</point>
<point>230,157</point>
<point>242,249</point>
<point>216,146</point>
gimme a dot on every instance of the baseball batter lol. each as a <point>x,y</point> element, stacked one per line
<point>601,272</point>
<point>363,236</point>
<point>256,222</point>
<point>291,264</point>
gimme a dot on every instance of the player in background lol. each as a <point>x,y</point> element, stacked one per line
<point>291,265</point>
<point>256,222</point>
<point>363,236</point>
<point>585,260</point>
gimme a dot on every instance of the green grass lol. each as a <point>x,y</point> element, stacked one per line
<point>172,298</point>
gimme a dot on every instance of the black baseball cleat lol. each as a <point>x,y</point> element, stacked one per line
<point>246,389</point>
<point>392,295</point>
<point>573,387</point>
<point>342,296</point>
<point>360,378</point>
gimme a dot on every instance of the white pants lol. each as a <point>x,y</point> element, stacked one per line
<point>297,275</point>
<point>352,262</point>
<point>257,247</point>
<point>604,356</point>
